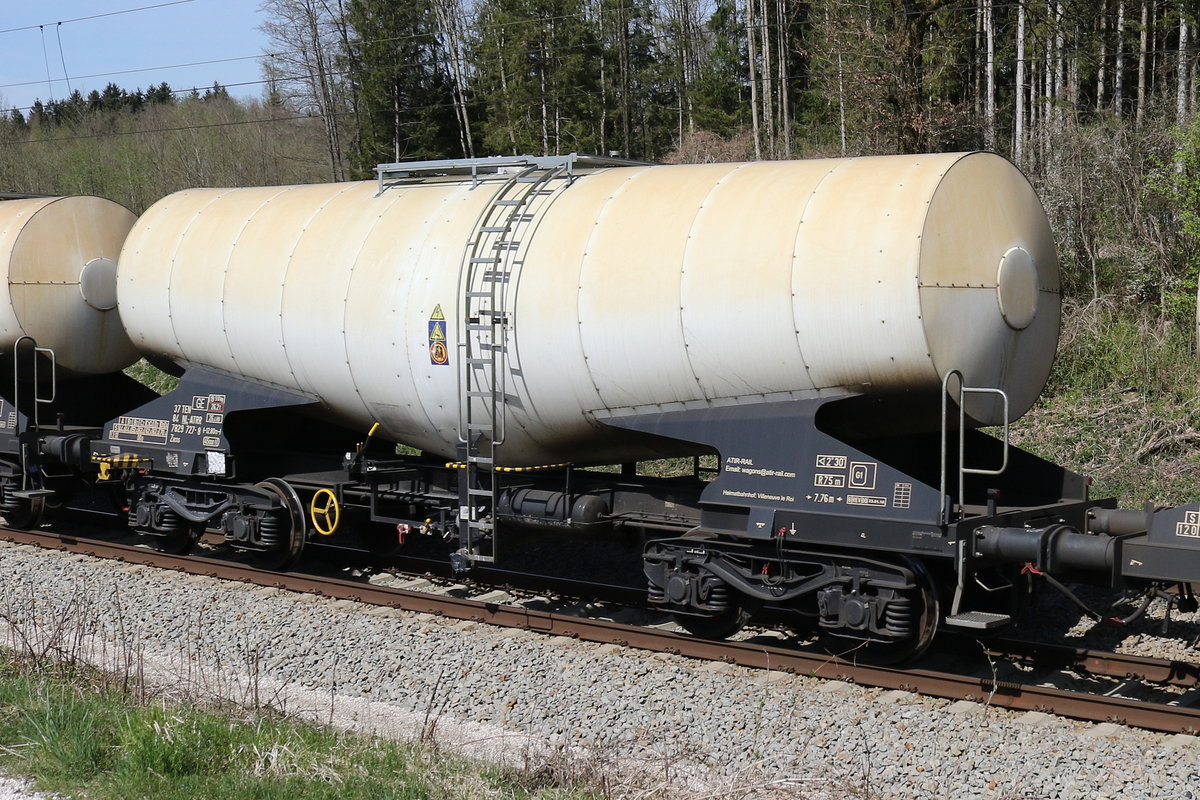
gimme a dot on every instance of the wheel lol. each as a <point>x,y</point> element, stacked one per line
<point>21,512</point>
<point>292,532</point>
<point>923,617</point>
<point>175,543</point>
<point>721,625</point>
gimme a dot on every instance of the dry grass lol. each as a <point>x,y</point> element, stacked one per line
<point>1123,405</point>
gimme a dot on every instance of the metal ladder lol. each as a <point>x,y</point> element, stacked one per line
<point>30,491</point>
<point>493,256</point>
<point>946,504</point>
<point>957,618</point>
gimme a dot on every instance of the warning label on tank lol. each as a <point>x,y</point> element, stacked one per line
<point>1190,526</point>
<point>439,354</point>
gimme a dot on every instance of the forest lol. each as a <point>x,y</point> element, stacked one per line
<point>1094,101</point>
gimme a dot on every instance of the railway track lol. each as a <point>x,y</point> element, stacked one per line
<point>1172,716</point>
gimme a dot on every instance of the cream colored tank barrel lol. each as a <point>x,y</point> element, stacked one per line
<point>58,256</point>
<point>641,289</point>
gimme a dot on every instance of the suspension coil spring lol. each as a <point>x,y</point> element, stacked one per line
<point>8,503</point>
<point>718,597</point>
<point>656,594</point>
<point>898,617</point>
<point>169,521</point>
<point>268,530</point>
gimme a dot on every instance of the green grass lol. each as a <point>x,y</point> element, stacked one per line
<point>152,377</point>
<point>1122,405</point>
<point>75,732</point>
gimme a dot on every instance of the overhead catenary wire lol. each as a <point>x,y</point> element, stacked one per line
<point>95,16</point>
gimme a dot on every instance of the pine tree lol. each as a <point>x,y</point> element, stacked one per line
<point>402,88</point>
<point>537,66</point>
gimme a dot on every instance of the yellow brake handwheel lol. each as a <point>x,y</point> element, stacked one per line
<point>324,511</point>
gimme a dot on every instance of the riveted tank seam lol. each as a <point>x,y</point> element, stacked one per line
<point>461,192</point>
<point>35,208</point>
<point>702,389</point>
<point>401,311</point>
<point>393,196</point>
<point>520,420</point>
<point>233,245</point>
<point>804,362</point>
<point>583,261</point>
<point>179,240</point>
<point>287,262</point>
<point>287,267</point>
<point>922,239</point>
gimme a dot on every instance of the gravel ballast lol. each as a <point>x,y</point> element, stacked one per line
<point>519,697</point>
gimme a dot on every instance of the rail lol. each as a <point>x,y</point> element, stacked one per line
<point>989,691</point>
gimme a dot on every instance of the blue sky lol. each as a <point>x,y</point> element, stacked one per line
<point>141,46</point>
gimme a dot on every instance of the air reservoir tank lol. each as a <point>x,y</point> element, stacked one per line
<point>627,290</point>
<point>59,259</point>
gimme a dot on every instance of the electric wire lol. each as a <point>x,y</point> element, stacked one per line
<point>96,16</point>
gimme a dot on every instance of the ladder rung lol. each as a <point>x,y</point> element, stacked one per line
<point>485,260</point>
<point>479,394</point>
<point>479,326</point>
<point>483,559</point>
<point>494,229</point>
<point>485,427</point>
<point>479,492</point>
<point>506,244</point>
<point>480,460</point>
<point>520,201</point>
<point>496,277</point>
<point>481,362</point>
<point>479,294</point>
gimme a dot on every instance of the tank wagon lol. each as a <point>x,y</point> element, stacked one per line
<point>833,332</point>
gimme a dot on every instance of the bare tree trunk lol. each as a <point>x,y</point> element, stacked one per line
<point>1102,71</point>
<point>1119,77</point>
<point>322,90</point>
<point>977,73</point>
<point>1047,97</point>
<point>508,121</point>
<point>1153,50</point>
<point>1192,83</point>
<point>623,66</point>
<point>449,15</point>
<point>1059,76</point>
<point>1141,83</point>
<point>1181,97</point>
<point>303,32</point>
<point>751,11</point>
<point>768,73</point>
<point>989,112</point>
<point>785,122</point>
<point>1019,100</point>
<point>542,93</point>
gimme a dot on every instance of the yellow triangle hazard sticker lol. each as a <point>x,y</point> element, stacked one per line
<point>437,313</point>
<point>437,332</point>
